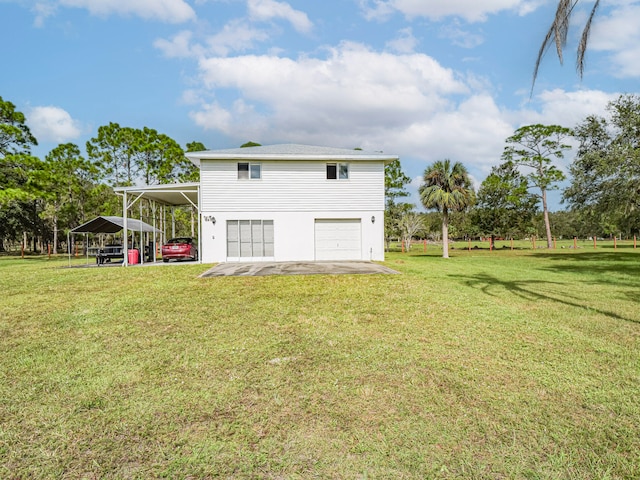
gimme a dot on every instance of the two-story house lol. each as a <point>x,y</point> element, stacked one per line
<point>291,203</point>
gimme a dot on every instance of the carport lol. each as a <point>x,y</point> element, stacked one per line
<point>110,225</point>
<point>161,197</point>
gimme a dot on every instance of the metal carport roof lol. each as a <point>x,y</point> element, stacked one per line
<point>108,224</point>
<point>165,194</point>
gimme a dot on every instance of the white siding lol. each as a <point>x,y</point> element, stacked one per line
<point>291,186</point>
<point>293,234</point>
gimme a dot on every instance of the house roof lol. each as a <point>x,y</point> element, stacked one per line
<point>108,224</point>
<point>289,151</point>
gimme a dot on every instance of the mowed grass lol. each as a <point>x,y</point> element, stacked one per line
<point>487,365</point>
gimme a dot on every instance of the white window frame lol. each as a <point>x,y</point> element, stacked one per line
<point>342,171</point>
<point>251,169</point>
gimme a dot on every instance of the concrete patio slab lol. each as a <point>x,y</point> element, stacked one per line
<point>297,268</point>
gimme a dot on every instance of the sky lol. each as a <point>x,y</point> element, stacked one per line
<point>422,79</point>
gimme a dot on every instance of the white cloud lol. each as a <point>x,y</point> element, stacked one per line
<point>376,9</point>
<point>460,36</point>
<point>564,108</point>
<point>560,107</point>
<point>192,97</point>
<point>627,61</point>
<point>530,6</point>
<point>42,11</point>
<point>265,10</point>
<point>235,36</point>
<point>405,42</point>
<point>353,90</point>
<point>179,46</point>
<point>470,10</point>
<point>53,124</point>
<point>472,132</point>
<point>213,117</point>
<point>171,11</point>
<point>417,181</point>
<point>619,34</point>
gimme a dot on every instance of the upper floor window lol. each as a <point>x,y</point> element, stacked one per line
<point>337,171</point>
<point>248,171</point>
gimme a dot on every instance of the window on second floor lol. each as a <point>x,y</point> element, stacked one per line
<point>337,171</point>
<point>248,171</point>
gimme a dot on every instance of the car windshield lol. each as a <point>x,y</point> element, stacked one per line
<point>182,241</point>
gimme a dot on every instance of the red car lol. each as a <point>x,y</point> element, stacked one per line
<point>179,249</point>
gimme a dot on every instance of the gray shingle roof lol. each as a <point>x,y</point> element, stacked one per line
<point>289,151</point>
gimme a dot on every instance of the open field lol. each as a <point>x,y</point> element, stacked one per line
<point>521,364</point>
<point>540,244</point>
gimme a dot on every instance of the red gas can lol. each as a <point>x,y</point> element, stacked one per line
<point>133,256</point>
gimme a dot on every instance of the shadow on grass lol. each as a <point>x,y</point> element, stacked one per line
<point>609,265</point>
<point>526,289</point>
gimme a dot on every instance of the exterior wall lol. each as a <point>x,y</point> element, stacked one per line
<point>293,194</point>
<point>291,185</point>
<point>294,234</point>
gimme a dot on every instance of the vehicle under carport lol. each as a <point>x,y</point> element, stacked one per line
<point>111,225</point>
<point>165,196</point>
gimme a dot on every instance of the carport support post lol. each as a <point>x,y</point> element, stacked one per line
<point>155,239</point>
<point>141,244</point>
<point>163,224</point>
<point>200,228</point>
<point>125,233</point>
<point>173,222</point>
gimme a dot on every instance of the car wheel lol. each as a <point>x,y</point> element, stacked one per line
<point>165,260</point>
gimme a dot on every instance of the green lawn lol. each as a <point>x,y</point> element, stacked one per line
<point>489,365</point>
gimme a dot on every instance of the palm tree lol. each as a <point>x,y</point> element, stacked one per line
<point>558,34</point>
<point>446,188</point>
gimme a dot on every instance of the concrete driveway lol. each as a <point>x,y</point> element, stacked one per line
<point>297,268</point>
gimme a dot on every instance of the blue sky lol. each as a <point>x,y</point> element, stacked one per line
<point>423,79</point>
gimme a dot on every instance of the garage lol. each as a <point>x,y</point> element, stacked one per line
<point>338,239</point>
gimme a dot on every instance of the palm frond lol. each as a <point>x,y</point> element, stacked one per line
<point>561,25</point>
<point>584,39</point>
<point>543,49</point>
<point>557,34</point>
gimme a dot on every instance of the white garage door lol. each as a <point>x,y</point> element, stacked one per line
<point>338,239</point>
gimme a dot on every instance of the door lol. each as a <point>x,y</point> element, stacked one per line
<point>338,239</point>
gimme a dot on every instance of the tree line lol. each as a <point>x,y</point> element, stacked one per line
<point>42,198</point>
<point>603,193</point>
